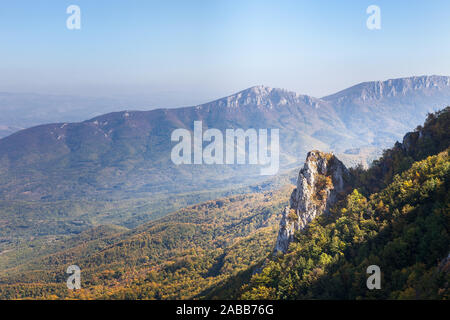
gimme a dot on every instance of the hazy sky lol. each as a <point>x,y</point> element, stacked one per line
<point>188,52</point>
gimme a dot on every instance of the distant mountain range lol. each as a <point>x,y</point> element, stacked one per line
<point>127,154</point>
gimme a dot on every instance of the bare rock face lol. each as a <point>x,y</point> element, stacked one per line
<point>320,182</point>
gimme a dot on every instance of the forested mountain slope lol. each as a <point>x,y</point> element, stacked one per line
<point>397,217</point>
<point>60,179</point>
<point>177,256</point>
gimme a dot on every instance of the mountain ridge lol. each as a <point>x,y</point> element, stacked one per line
<point>264,91</point>
<point>127,153</point>
<point>397,85</point>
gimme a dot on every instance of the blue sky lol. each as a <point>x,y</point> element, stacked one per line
<point>188,52</point>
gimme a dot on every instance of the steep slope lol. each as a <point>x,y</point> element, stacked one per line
<point>404,229</point>
<point>397,218</point>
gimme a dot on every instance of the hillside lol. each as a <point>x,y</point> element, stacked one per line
<point>177,256</point>
<point>394,215</point>
<point>116,168</point>
<point>397,217</point>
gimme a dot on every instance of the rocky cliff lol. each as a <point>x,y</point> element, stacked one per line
<point>320,183</point>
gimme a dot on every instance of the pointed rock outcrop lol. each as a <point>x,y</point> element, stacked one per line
<point>320,182</point>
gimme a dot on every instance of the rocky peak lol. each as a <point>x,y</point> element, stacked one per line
<point>320,182</point>
<point>264,97</point>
